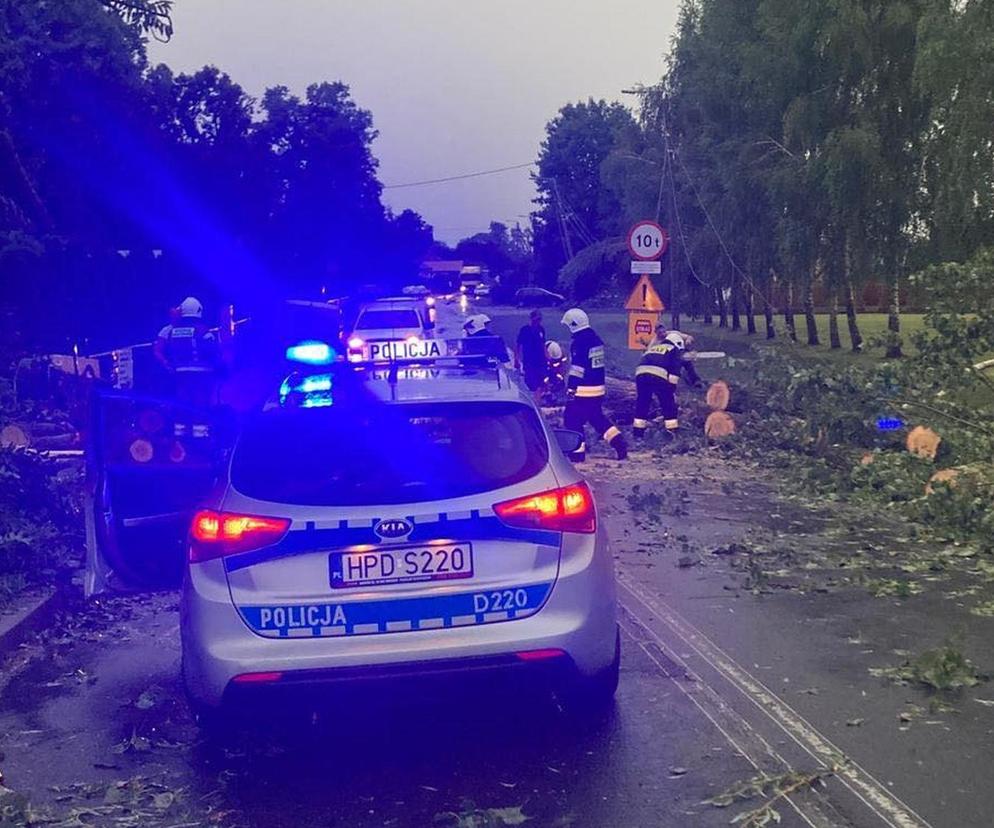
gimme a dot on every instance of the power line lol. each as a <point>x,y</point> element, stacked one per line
<point>721,241</point>
<point>676,213</point>
<point>457,177</point>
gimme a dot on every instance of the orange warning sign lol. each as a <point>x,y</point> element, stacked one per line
<point>641,329</point>
<point>644,297</point>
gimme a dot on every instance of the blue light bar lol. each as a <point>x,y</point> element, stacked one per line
<point>310,385</point>
<point>317,401</point>
<point>890,423</point>
<point>311,352</point>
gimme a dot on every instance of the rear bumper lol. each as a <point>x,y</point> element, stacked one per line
<point>491,674</point>
<point>578,618</point>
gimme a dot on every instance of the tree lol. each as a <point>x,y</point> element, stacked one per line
<point>575,208</point>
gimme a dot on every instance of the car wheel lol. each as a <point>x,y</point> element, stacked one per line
<point>592,695</point>
<point>211,721</point>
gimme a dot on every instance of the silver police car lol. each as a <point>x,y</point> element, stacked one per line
<point>388,519</point>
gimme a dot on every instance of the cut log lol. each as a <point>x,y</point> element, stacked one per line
<point>13,436</point>
<point>719,424</point>
<point>39,436</point>
<point>942,476</point>
<point>923,442</point>
<point>719,395</point>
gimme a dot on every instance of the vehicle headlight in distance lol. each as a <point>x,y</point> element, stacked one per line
<point>430,301</point>
<point>355,342</point>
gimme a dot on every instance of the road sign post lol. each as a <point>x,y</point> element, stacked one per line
<point>644,306</point>
<point>647,242</point>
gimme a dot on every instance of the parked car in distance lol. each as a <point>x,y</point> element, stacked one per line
<point>536,297</point>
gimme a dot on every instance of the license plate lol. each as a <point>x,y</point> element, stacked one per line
<point>405,349</point>
<point>409,564</point>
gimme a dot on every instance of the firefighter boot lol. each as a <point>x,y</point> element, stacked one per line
<point>579,455</point>
<point>616,440</point>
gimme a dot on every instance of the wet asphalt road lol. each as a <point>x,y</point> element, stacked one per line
<point>717,686</point>
<point>110,708</point>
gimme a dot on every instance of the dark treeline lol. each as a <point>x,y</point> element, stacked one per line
<point>800,152</point>
<point>123,187</point>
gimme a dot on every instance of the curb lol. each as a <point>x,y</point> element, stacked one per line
<point>33,615</point>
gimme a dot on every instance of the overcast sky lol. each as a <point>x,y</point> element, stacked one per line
<point>455,86</point>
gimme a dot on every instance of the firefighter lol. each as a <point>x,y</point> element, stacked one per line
<point>187,349</point>
<point>585,386</point>
<point>481,340</point>
<point>657,375</point>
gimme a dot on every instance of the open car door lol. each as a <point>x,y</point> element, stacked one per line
<point>149,463</point>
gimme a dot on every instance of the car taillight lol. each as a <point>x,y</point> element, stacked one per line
<point>216,534</point>
<point>569,509</point>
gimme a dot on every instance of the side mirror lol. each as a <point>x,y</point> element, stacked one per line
<point>569,441</point>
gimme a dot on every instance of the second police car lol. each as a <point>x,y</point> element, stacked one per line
<point>387,517</point>
<point>394,328</point>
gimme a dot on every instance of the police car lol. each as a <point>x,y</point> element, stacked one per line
<point>394,328</point>
<point>414,515</point>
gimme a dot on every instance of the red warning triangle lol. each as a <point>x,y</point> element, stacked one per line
<point>644,297</point>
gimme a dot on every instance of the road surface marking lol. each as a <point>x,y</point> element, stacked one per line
<point>888,807</point>
<point>746,741</point>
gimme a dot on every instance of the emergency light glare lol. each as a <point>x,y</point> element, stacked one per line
<point>310,385</point>
<point>311,353</point>
<point>889,423</point>
<point>317,401</point>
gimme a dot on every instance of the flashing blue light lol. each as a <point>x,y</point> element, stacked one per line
<point>310,385</point>
<point>311,353</point>
<point>317,401</point>
<point>890,423</point>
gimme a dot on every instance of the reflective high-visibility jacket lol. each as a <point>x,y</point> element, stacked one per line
<point>586,370</point>
<point>189,346</point>
<point>666,361</point>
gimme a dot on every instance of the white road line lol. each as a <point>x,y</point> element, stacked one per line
<point>888,807</point>
<point>725,720</point>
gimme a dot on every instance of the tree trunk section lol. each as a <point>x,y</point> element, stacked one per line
<point>722,308</point>
<point>788,312</point>
<point>854,335</point>
<point>736,318</point>
<point>750,310</point>
<point>894,320</point>
<point>809,313</point>
<point>834,340</point>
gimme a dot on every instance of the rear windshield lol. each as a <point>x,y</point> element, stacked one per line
<point>376,320</point>
<point>388,454</point>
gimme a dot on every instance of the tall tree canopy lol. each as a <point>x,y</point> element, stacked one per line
<point>124,187</point>
<point>804,151</point>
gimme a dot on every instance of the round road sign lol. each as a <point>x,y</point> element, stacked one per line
<point>647,241</point>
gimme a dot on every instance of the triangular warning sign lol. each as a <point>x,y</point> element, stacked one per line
<point>644,297</point>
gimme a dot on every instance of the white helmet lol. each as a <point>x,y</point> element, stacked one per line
<point>576,320</point>
<point>553,351</point>
<point>191,307</point>
<point>676,339</point>
<point>476,323</point>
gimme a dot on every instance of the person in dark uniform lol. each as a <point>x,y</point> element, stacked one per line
<point>480,339</point>
<point>529,353</point>
<point>585,389</point>
<point>657,376</point>
<point>187,349</point>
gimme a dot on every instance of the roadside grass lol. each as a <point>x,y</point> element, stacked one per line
<point>613,328</point>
